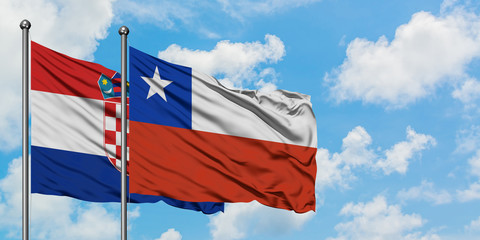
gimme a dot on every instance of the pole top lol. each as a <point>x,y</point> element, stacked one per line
<point>123,30</point>
<point>25,24</point>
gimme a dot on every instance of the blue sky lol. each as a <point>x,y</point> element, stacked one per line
<point>395,88</point>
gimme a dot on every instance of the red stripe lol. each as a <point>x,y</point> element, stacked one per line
<point>58,73</point>
<point>198,166</point>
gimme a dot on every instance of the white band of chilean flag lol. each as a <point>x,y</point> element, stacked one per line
<point>252,114</point>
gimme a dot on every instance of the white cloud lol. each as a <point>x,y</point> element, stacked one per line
<point>91,222</point>
<point>170,234</point>
<point>426,52</point>
<point>470,194</point>
<point>195,15</point>
<point>243,219</point>
<point>246,8</point>
<point>468,140</point>
<point>11,198</point>
<point>337,168</point>
<point>447,5</point>
<point>425,192</point>
<point>474,163</point>
<point>397,157</point>
<point>474,226</point>
<point>133,213</point>
<point>331,171</point>
<point>468,93</point>
<point>354,146</point>
<point>53,217</point>
<point>243,68</point>
<point>268,79</point>
<point>473,192</point>
<point>71,27</point>
<point>378,220</point>
<point>420,236</point>
<point>170,14</point>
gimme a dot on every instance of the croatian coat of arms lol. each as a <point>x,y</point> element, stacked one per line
<point>111,91</point>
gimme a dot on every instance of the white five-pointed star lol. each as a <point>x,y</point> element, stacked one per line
<point>157,85</point>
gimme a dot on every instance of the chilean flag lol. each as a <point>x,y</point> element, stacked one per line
<point>76,131</point>
<point>195,140</point>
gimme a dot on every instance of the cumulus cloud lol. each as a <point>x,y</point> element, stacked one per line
<point>246,8</point>
<point>52,217</point>
<point>237,64</point>
<point>425,53</point>
<point>378,220</point>
<point>331,171</point>
<point>397,157</point>
<point>90,222</point>
<point>170,234</point>
<point>72,27</point>
<point>337,168</point>
<point>243,219</point>
<point>355,148</point>
<point>425,192</point>
<point>468,92</point>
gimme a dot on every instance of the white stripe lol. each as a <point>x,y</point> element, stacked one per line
<point>67,122</point>
<point>280,116</point>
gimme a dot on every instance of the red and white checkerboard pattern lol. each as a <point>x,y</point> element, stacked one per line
<point>113,129</point>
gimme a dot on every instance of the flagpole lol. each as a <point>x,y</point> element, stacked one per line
<point>123,31</point>
<point>25,26</point>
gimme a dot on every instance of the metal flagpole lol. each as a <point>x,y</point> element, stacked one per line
<point>25,26</point>
<point>123,31</point>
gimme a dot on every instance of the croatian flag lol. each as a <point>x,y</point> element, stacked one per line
<point>76,131</point>
<point>195,140</point>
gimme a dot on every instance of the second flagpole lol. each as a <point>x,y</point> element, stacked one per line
<point>123,31</point>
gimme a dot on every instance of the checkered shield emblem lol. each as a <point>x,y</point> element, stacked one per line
<point>111,91</point>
